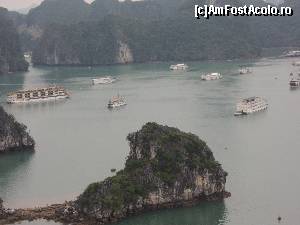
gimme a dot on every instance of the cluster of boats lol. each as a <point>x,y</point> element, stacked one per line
<point>115,101</point>
<point>57,93</point>
<point>243,107</point>
<point>209,76</point>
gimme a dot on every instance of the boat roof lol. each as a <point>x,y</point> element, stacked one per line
<point>250,99</point>
<point>179,64</point>
<point>36,89</point>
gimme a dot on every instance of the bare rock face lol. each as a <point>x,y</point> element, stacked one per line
<point>13,135</point>
<point>165,168</point>
<point>125,54</point>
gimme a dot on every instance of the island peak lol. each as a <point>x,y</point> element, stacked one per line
<point>166,168</point>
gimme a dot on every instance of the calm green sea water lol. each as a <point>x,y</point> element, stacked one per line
<point>79,140</point>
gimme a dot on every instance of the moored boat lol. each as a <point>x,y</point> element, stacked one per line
<point>116,101</point>
<point>250,105</point>
<point>37,95</point>
<point>245,70</point>
<point>295,53</point>
<point>104,80</point>
<point>294,82</point>
<point>212,76</point>
<point>181,66</point>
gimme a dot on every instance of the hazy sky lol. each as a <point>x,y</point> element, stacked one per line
<point>20,4</point>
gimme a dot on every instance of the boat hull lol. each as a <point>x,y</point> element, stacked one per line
<point>112,106</point>
<point>32,100</point>
<point>294,84</point>
<point>106,80</point>
<point>243,113</point>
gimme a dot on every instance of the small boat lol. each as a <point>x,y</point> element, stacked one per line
<point>37,95</point>
<point>181,66</point>
<point>245,70</point>
<point>27,56</point>
<point>116,101</point>
<point>294,82</point>
<point>212,76</point>
<point>250,105</point>
<point>294,53</point>
<point>104,80</point>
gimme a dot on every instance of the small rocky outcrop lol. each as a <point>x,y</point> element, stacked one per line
<point>13,135</point>
<point>166,168</point>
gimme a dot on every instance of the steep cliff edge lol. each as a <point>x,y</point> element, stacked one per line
<point>13,135</point>
<point>166,168</point>
<point>11,57</point>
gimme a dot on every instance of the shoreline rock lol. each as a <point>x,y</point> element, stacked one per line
<point>13,135</point>
<point>66,213</point>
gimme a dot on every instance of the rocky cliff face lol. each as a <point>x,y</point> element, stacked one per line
<point>125,54</point>
<point>13,135</point>
<point>165,168</point>
<point>11,57</point>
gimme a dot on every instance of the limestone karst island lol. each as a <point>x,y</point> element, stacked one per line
<point>149,112</point>
<point>165,168</point>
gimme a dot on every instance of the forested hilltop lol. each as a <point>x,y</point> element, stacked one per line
<point>72,32</point>
<point>11,57</point>
<point>13,136</point>
<point>124,32</point>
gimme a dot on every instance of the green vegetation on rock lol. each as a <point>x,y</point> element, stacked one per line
<point>66,32</point>
<point>13,135</point>
<point>11,57</point>
<point>161,159</point>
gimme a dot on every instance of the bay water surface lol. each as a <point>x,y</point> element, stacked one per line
<point>78,141</point>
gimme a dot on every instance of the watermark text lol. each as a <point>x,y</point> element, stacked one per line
<point>206,11</point>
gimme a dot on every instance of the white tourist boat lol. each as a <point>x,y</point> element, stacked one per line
<point>295,53</point>
<point>295,82</point>
<point>212,76</point>
<point>251,105</point>
<point>104,80</point>
<point>181,66</point>
<point>37,95</point>
<point>245,70</point>
<point>116,101</point>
